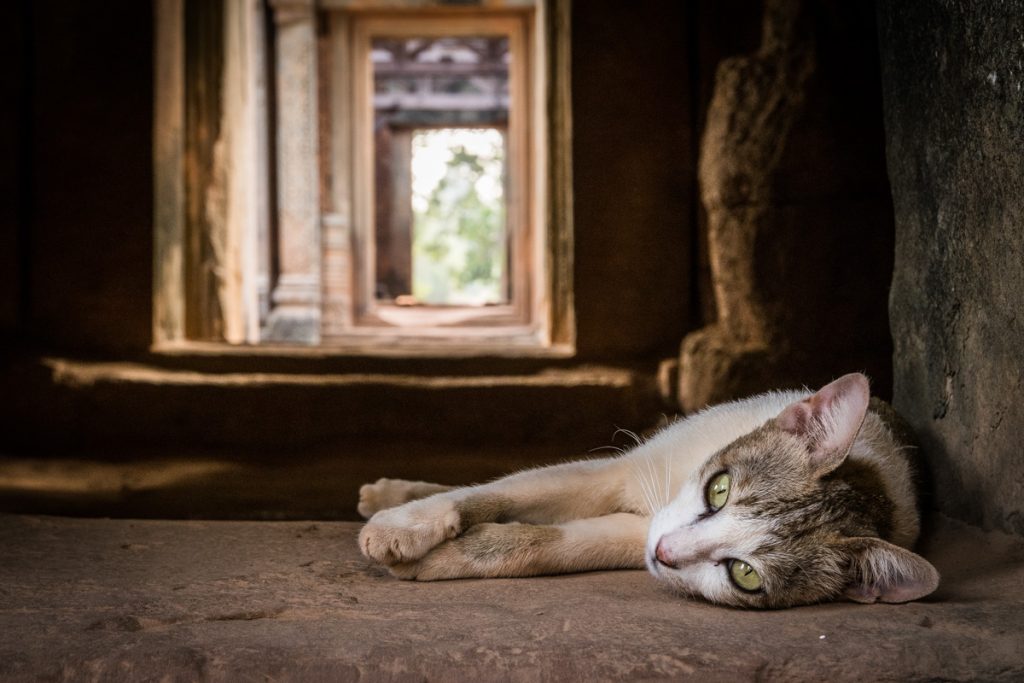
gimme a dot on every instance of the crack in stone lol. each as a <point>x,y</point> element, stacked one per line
<point>246,615</point>
<point>131,623</point>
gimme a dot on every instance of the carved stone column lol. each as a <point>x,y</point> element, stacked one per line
<point>757,98</point>
<point>296,298</point>
<point>793,179</point>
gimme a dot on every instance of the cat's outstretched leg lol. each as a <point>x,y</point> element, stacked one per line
<point>549,495</point>
<point>512,550</point>
<point>389,493</point>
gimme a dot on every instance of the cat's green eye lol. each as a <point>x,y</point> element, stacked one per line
<point>718,491</point>
<point>744,576</point>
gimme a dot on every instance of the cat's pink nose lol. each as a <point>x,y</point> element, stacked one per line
<point>663,555</point>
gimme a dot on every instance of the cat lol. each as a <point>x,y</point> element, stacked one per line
<point>786,498</point>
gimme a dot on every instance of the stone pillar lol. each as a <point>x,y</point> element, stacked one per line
<point>296,298</point>
<point>740,152</point>
<point>954,120</point>
<point>793,180</point>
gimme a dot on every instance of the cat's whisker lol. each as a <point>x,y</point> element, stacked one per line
<point>646,477</point>
<point>645,487</point>
<point>614,449</point>
<point>630,433</point>
<point>652,472</point>
<point>654,476</point>
<point>668,480</point>
<point>644,490</point>
<point>642,480</point>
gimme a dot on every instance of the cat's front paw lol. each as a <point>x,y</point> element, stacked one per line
<point>407,533</point>
<point>381,495</point>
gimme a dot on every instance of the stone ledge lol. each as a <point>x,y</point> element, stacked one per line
<point>66,402</point>
<point>76,373</point>
<point>313,484</point>
<point>145,600</point>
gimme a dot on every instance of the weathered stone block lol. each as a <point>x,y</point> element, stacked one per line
<point>799,219</point>
<point>954,111</point>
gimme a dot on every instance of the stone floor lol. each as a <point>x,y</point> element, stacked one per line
<point>111,600</point>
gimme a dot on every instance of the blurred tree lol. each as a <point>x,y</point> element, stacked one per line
<point>459,240</point>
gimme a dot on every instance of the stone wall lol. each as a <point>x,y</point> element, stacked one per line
<point>86,231</point>
<point>953,77</point>
<point>633,176</point>
<point>12,185</point>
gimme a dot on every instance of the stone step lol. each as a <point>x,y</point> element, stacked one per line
<point>65,402</point>
<point>320,483</point>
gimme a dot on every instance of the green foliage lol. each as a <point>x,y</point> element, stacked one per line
<point>459,237</point>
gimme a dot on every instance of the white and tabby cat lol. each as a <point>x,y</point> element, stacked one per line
<point>781,499</point>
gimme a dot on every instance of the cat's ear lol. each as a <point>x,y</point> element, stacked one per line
<point>882,571</point>
<point>829,420</point>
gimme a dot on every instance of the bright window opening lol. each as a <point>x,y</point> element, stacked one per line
<point>444,181</point>
<point>459,244</point>
<point>441,112</point>
<point>365,175</point>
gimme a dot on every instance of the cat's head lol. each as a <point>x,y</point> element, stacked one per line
<point>772,521</point>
